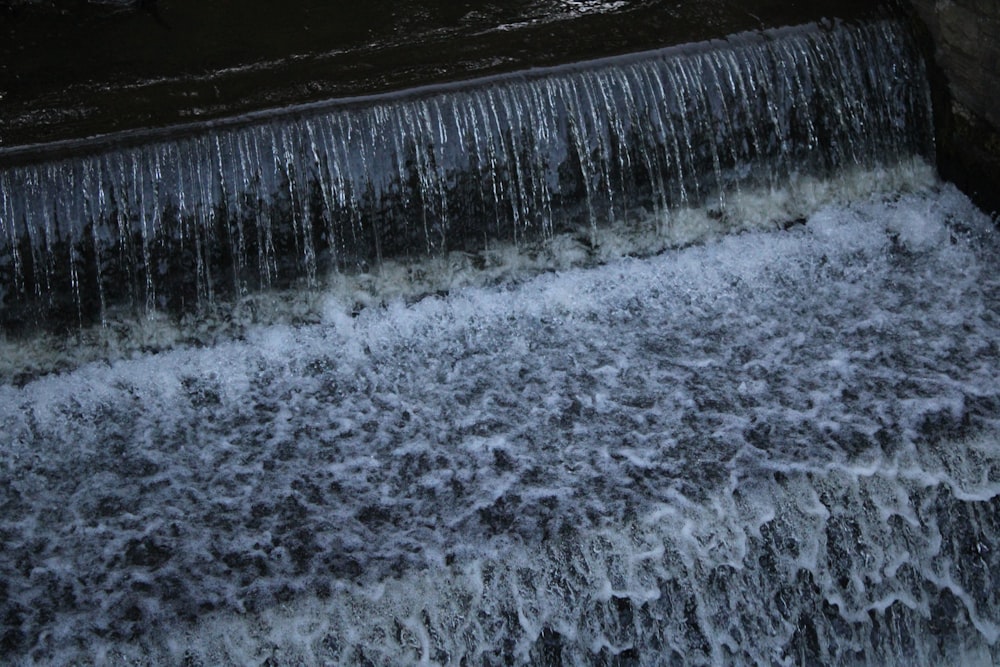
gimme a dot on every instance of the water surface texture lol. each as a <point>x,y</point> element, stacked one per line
<point>683,356</point>
<point>774,448</point>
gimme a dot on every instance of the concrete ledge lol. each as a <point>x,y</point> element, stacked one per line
<point>963,38</point>
<point>71,68</point>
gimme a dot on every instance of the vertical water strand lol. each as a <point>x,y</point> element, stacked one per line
<point>524,142</point>
<point>882,91</point>
<point>596,143</point>
<point>797,68</point>
<point>140,162</point>
<point>560,150</point>
<point>516,136</point>
<point>8,227</point>
<point>422,126</point>
<point>436,117</point>
<point>65,225</point>
<point>840,150</point>
<point>543,117</point>
<point>46,177</point>
<point>79,240</point>
<point>665,108</point>
<point>283,212</point>
<point>350,180</point>
<point>771,70</point>
<point>845,84</point>
<point>203,217</point>
<point>651,137</point>
<point>891,97</point>
<point>368,181</point>
<point>549,115</point>
<point>163,185</point>
<point>188,220</point>
<point>253,176</point>
<point>103,232</point>
<point>578,135</point>
<point>485,123</point>
<point>913,116</point>
<point>660,104</point>
<point>725,89</point>
<point>78,215</point>
<point>93,221</point>
<point>397,197</point>
<point>681,112</point>
<point>304,184</point>
<point>608,83</point>
<point>322,175</point>
<point>298,185</point>
<point>478,169</point>
<point>499,165</point>
<point>507,171</point>
<point>467,206</point>
<point>28,187</point>
<point>746,108</point>
<point>311,191</point>
<point>113,171</point>
<point>866,102</point>
<point>226,208</point>
<point>764,86</point>
<point>696,78</point>
<point>243,206</point>
<point>415,138</point>
<point>333,190</point>
<point>49,231</point>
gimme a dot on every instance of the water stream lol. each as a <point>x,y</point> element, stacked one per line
<point>701,367</point>
<point>173,224</point>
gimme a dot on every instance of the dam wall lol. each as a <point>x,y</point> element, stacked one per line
<point>967,56</point>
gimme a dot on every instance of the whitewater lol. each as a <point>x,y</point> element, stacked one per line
<point>779,446</point>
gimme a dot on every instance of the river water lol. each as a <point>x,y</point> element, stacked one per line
<point>775,447</point>
<point>681,357</point>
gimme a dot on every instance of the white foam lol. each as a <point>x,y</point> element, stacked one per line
<point>685,455</point>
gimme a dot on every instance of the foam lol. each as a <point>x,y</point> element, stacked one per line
<point>774,447</point>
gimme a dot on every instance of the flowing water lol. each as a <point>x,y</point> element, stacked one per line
<point>170,225</point>
<point>611,434</point>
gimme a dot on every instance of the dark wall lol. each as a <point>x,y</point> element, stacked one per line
<point>964,36</point>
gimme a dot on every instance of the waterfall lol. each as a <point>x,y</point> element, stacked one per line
<point>778,447</point>
<point>174,220</point>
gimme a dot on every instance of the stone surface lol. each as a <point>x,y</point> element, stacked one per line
<point>77,68</point>
<point>966,53</point>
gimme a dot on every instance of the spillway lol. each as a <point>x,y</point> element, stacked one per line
<point>268,201</point>
<point>682,357</point>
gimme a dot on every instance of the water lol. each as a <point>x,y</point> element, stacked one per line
<point>717,387</point>
<point>779,447</point>
<point>267,202</point>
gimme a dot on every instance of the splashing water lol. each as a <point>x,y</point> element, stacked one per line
<point>779,447</point>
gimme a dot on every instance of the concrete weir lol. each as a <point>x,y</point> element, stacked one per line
<point>170,216</point>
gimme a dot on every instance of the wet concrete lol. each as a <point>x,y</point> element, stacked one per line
<point>73,69</point>
<point>964,51</point>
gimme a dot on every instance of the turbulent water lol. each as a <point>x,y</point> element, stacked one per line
<point>777,447</point>
<point>535,406</point>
